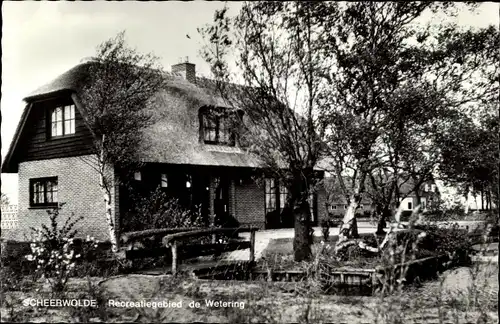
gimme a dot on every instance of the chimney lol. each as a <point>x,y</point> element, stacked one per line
<point>186,69</point>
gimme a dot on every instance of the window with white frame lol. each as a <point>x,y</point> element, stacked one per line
<point>63,121</point>
<point>217,126</point>
<point>270,192</point>
<point>43,192</point>
<point>276,195</point>
<point>164,180</point>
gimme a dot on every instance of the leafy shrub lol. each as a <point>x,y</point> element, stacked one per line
<point>453,242</point>
<point>158,210</point>
<point>405,215</point>
<point>53,252</point>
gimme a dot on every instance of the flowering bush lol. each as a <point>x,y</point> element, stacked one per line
<point>53,250</point>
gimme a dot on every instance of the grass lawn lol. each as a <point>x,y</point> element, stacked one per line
<point>267,302</point>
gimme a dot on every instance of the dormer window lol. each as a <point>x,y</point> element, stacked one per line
<point>63,121</point>
<point>218,127</point>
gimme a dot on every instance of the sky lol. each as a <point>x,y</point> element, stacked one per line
<point>41,40</point>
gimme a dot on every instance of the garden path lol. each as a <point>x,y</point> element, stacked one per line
<point>262,239</point>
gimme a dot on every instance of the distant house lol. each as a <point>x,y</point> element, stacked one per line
<point>338,205</point>
<point>429,196</point>
<point>189,153</point>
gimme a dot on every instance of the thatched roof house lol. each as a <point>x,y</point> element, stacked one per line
<point>215,176</point>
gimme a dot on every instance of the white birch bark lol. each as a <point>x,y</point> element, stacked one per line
<point>105,185</point>
<point>109,214</point>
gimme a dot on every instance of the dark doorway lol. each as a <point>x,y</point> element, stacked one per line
<point>221,202</point>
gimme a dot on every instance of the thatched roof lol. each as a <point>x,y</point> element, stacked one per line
<point>174,137</point>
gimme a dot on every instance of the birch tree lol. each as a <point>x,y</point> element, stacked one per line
<point>392,79</point>
<point>117,103</point>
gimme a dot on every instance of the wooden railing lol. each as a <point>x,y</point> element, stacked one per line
<point>171,241</point>
<point>130,237</point>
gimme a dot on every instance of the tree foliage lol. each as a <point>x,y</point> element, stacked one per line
<point>368,79</point>
<point>394,85</point>
<point>280,62</point>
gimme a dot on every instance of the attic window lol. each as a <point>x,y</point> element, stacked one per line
<point>217,127</point>
<point>63,121</point>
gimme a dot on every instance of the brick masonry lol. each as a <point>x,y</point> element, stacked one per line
<point>78,188</point>
<point>249,204</point>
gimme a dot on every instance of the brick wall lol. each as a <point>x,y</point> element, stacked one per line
<point>250,201</point>
<point>78,188</point>
<point>249,204</point>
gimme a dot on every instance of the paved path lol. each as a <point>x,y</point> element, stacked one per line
<point>262,239</point>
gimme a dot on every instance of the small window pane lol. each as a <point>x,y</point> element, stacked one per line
<point>67,112</point>
<point>137,176</point>
<point>283,195</point>
<point>50,197</point>
<point>57,114</point>
<point>67,126</point>
<point>57,121</point>
<point>164,180</point>
<point>410,205</point>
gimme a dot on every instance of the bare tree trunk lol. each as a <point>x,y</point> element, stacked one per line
<point>349,229</point>
<point>109,212</point>
<point>466,209</point>
<point>385,213</point>
<point>301,214</point>
<point>301,242</point>
<point>105,185</point>
<point>488,196</point>
<point>482,199</point>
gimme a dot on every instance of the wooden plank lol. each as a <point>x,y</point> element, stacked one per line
<point>207,265</point>
<point>194,250</point>
<point>205,232</point>
<point>133,236</point>
<point>147,253</point>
